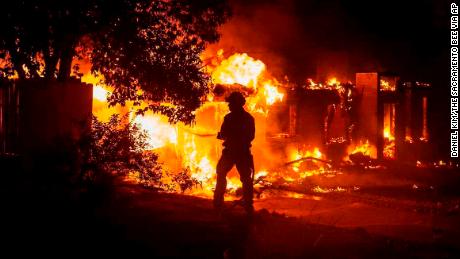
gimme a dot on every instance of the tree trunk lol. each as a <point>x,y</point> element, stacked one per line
<point>17,64</point>
<point>50,65</point>
<point>65,65</point>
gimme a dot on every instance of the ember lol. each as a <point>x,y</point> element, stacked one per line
<point>196,149</point>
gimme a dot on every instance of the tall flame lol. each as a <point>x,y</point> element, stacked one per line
<point>239,69</point>
<point>195,147</point>
<point>251,73</point>
<point>160,132</point>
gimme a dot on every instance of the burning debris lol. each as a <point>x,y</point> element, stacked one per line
<point>315,129</point>
<point>287,149</point>
<point>195,147</point>
<point>346,163</point>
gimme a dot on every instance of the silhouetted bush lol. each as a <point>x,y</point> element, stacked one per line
<point>184,180</point>
<point>118,148</point>
<point>121,148</point>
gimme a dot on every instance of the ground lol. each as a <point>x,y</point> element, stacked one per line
<point>393,214</point>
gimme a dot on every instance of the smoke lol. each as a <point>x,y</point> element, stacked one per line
<point>317,39</point>
<point>264,31</point>
<point>288,41</point>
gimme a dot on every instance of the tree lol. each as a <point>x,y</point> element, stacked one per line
<point>148,45</point>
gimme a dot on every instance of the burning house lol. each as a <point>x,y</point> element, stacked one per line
<point>394,115</point>
<point>111,128</point>
<point>301,130</point>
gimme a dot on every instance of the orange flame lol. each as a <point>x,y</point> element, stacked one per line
<point>100,94</point>
<point>239,69</point>
<point>188,146</point>
<point>363,147</point>
<point>196,147</point>
<point>251,73</point>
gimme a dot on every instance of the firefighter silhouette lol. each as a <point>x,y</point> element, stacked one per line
<point>237,132</point>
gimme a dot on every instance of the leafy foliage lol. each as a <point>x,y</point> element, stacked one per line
<point>148,45</point>
<point>118,148</point>
<point>184,180</point>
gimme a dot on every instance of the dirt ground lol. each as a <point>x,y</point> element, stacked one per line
<point>414,204</point>
<point>380,214</point>
<point>393,214</point>
<point>334,225</point>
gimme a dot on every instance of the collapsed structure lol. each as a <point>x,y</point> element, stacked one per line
<point>379,109</point>
<point>301,130</point>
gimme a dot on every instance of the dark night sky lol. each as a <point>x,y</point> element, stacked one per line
<point>293,36</point>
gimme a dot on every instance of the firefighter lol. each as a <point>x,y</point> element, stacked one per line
<point>237,132</point>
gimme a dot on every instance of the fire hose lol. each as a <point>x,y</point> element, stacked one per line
<point>241,201</point>
<point>198,134</point>
<point>252,169</point>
